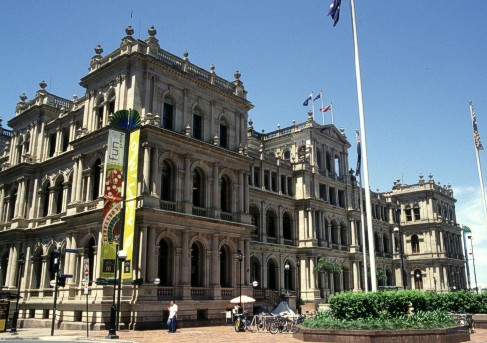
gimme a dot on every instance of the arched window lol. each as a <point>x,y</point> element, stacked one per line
<point>197,261</point>
<point>225,195</point>
<point>167,193</point>
<point>389,280</point>
<point>334,232</point>
<point>168,114</point>
<point>58,196</point>
<point>415,243</point>
<point>45,200</point>
<point>99,115</point>
<point>377,241</point>
<point>97,169</point>
<point>198,189</point>
<point>36,263</point>
<point>319,158</point>
<point>287,226</point>
<point>287,155</point>
<point>255,214</point>
<point>271,224</point>
<point>3,269</point>
<point>272,276</point>
<point>166,258</point>
<point>418,279</point>
<point>225,267</point>
<point>385,242</point>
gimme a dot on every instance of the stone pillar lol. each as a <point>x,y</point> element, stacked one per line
<point>154,171</point>
<point>79,178</point>
<point>185,262</point>
<point>2,202</point>
<point>142,265</point>
<point>146,170</point>
<point>215,262</point>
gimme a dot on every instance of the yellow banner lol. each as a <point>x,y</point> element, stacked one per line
<point>130,203</point>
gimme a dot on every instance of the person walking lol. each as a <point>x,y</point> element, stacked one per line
<point>173,313</point>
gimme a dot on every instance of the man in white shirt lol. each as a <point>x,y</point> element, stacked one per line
<point>173,313</point>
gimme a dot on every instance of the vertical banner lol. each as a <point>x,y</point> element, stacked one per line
<point>130,203</point>
<point>113,203</point>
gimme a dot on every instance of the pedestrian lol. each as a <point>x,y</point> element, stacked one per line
<point>173,313</point>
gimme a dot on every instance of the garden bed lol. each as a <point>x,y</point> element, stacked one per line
<point>446,335</point>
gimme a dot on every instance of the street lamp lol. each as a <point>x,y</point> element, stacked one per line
<point>287,266</point>
<point>20,265</point>
<point>298,295</point>
<point>473,261</point>
<point>401,254</point>
<point>115,309</point>
<point>156,281</point>
<point>240,258</point>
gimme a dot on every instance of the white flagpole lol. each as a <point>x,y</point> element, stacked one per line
<point>313,104</point>
<point>321,109</point>
<point>363,145</point>
<point>362,225</point>
<point>331,104</point>
<point>479,168</point>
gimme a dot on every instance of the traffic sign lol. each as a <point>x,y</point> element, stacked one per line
<point>74,251</point>
<point>66,276</point>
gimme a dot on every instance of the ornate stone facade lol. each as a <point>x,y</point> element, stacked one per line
<point>209,185</point>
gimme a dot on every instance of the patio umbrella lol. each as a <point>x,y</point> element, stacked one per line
<point>245,300</point>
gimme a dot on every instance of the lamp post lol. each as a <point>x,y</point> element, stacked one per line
<point>56,254</point>
<point>397,231</point>
<point>240,258</point>
<point>470,237</point>
<point>20,265</point>
<point>115,309</point>
<point>298,295</point>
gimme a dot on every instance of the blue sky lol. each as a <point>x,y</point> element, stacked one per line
<point>421,64</point>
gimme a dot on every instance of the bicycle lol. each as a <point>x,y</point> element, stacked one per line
<point>241,323</point>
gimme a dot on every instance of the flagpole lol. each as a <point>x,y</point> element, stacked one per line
<point>362,225</point>
<point>313,104</point>
<point>321,109</point>
<point>368,205</point>
<point>479,168</point>
<point>331,103</point>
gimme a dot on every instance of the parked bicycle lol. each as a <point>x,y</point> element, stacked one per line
<point>242,322</point>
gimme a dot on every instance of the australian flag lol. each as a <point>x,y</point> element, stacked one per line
<point>334,11</point>
<point>359,154</point>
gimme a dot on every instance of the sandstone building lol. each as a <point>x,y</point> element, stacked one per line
<point>209,186</point>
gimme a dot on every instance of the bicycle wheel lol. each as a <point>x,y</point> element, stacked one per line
<point>237,325</point>
<point>274,327</point>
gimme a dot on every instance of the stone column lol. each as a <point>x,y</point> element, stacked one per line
<point>151,253</point>
<point>185,266</point>
<point>154,171</point>
<point>215,262</point>
<point>2,202</point>
<point>142,265</point>
<point>79,178</point>
<point>146,170</point>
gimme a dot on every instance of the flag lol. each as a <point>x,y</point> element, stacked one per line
<point>317,97</point>
<point>334,11</point>
<point>466,229</point>
<point>359,153</point>
<point>310,97</point>
<point>326,108</point>
<point>476,135</point>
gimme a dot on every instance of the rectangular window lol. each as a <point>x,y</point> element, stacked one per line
<point>111,107</point>
<point>256,176</point>
<point>274,182</point>
<point>416,213</point>
<point>409,216</point>
<point>290,189</point>
<point>283,184</point>
<point>266,179</point>
<point>197,126</point>
<point>341,198</point>
<point>332,196</point>
<point>167,116</point>
<point>323,192</point>
<point>223,136</point>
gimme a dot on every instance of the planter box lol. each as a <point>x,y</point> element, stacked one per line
<point>448,335</point>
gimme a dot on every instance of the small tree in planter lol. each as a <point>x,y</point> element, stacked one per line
<point>325,266</point>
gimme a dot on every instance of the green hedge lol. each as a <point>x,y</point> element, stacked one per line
<point>351,305</point>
